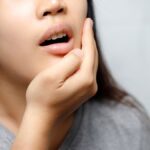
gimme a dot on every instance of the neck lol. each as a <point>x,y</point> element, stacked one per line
<point>12,100</point>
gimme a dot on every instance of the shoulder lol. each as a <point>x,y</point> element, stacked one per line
<point>128,109</point>
<point>128,112</point>
<point>129,125</point>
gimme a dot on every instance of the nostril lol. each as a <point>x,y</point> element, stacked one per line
<point>46,13</point>
<point>49,12</point>
<point>60,10</point>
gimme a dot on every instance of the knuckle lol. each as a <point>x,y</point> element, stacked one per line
<point>60,83</point>
<point>93,90</point>
<point>88,82</point>
<point>90,87</point>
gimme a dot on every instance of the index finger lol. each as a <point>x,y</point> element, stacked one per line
<point>88,47</point>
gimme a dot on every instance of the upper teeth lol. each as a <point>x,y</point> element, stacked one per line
<point>54,37</point>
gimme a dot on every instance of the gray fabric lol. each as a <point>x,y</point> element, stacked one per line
<point>6,138</point>
<point>102,125</point>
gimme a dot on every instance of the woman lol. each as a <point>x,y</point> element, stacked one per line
<point>61,94</point>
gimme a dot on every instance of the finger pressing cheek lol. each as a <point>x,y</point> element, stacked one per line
<point>88,47</point>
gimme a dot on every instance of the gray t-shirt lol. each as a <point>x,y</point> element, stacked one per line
<point>101,125</point>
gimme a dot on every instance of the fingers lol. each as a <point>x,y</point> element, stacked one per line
<point>68,65</point>
<point>84,60</point>
<point>89,48</point>
<point>86,77</point>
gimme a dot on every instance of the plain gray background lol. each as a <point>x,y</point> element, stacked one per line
<point>124,31</point>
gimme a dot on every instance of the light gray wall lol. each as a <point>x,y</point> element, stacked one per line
<point>124,30</point>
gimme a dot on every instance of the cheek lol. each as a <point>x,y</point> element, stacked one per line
<point>15,17</point>
<point>15,31</point>
<point>16,53</point>
<point>78,9</point>
<point>13,46</point>
<point>78,14</point>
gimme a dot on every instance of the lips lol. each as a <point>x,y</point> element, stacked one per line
<point>58,48</point>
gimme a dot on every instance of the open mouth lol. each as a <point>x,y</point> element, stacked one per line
<point>55,39</point>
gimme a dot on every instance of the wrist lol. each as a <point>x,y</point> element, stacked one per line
<point>35,130</point>
<point>41,117</point>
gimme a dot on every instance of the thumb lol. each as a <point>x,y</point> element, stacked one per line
<point>69,64</point>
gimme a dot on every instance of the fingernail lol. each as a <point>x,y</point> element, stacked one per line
<point>78,52</point>
<point>91,22</point>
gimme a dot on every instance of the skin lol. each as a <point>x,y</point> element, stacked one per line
<point>32,77</point>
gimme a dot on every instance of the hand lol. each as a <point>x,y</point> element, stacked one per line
<point>61,89</point>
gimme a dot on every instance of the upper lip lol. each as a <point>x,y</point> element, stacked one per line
<point>59,28</point>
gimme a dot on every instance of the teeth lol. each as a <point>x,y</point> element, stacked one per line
<point>60,35</point>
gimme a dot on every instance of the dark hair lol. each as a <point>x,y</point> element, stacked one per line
<point>107,86</point>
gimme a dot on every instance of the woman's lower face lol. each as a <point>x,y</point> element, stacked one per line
<point>31,30</point>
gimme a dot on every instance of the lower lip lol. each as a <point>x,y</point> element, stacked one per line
<point>59,48</point>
